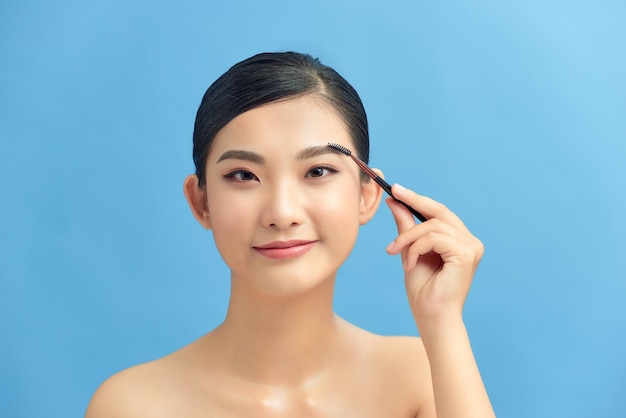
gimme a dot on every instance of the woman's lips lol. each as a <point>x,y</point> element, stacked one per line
<point>285,249</point>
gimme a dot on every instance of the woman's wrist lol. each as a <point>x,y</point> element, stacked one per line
<point>441,328</point>
<point>457,385</point>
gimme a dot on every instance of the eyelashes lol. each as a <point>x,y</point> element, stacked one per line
<point>241,176</point>
<point>319,171</point>
<point>246,176</point>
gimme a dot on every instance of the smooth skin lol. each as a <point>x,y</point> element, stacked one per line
<point>281,350</point>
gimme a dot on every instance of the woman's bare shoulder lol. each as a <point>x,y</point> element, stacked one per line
<point>394,354</point>
<point>129,393</point>
<point>406,366</point>
<point>404,358</point>
<point>152,389</point>
<point>399,366</point>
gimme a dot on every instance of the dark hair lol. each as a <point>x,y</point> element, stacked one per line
<point>269,77</point>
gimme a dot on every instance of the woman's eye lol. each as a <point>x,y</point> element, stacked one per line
<point>241,175</point>
<point>320,171</point>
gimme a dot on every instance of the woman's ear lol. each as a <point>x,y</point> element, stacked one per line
<point>371,194</point>
<point>196,197</point>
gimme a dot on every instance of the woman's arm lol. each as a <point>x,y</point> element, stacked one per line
<point>439,258</point>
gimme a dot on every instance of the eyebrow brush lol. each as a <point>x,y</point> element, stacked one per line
<point>382,183</point>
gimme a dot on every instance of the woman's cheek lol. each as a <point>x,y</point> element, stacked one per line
<point>230,218</point>
<point>341,211</point>
<point>344,203</point>
<point>229,207</point>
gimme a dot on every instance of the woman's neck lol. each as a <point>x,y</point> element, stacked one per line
<point>286,340</point>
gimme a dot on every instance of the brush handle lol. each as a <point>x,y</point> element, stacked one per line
<point>387,187</point>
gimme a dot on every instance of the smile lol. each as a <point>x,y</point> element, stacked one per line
<point>285,249</point>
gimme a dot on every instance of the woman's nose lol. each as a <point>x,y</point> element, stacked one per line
<point>284,207</point>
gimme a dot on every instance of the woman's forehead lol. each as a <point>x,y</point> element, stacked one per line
<point>299,122</point>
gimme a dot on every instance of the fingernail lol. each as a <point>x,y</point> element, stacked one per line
<point>400,187</point>
<point>390,246</point>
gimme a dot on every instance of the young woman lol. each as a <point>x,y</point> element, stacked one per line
<point>285,210</point>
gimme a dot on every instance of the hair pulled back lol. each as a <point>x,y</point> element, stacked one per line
<point>269,77</point>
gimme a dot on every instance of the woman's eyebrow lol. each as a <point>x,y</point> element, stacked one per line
<point>236,154</point>
<point>312,152</point>
<point>304,154</point>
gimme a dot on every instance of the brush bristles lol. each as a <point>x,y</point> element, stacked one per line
<point>340,148</point>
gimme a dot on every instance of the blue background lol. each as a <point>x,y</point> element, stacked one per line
<point>512,113</point>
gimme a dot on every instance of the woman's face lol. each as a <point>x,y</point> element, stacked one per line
<point>284,208</point>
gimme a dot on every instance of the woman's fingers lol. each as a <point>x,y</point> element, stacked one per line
<point>443,234</point>
<point>419,230</point>
<point>439,256</point>
<point>450,249</point>
<point>401,215</point>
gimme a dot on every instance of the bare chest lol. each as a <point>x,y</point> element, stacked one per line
<point>274,402</point>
